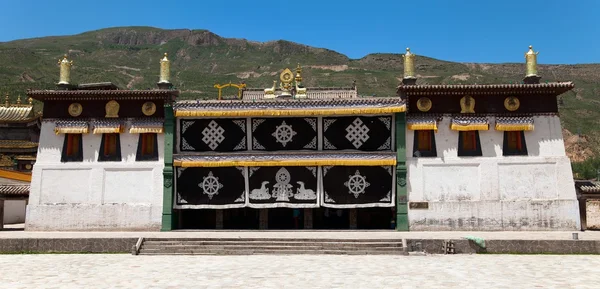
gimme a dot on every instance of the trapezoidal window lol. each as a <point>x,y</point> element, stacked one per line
<point>514,144</point>
<point>110,148</point>
<point>468,144</point>
<point>424,144</point>
<point>147,149</point>
<point>72,148</point>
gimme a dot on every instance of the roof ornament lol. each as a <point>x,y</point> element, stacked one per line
<point>30,101</point>
<point>531,60</point>
<point>409,64</point>
<point>299,75</point>
<point>65,70</point>
<point>19,99</point>
<point>165,70</point>
<point>6,100</point>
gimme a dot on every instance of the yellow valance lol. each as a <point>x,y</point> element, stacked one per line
<point>63,127</point>
<point>514,123</point>
<point>289,112</point>
<point>108,129</point>
<point>469,123</point>
<point>158,129</point>
<point>291,162</point>
<point>422,123</point>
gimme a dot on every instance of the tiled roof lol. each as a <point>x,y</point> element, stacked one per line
<point>467,123</point>
<point>14,190</point>
<point>147,126</point>
<point>18,144</point>
<point>282,107</point>
<point>91,94</point>
<point>16,113</point>
<point>552,87</point>
<point>311,93</point>
<point>422,122</point>
<point>514,123</point>
<point>107,126</point>
<point>71,126</point>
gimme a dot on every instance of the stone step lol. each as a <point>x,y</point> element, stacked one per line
<point>278,252</point>
<point>271,240</point>
<point>202,243</point>
<point>257,247</point>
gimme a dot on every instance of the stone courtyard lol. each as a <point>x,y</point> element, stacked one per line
<point>299,271</point>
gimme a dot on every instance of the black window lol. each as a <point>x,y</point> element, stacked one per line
<point>424,144</point>
<point>468,144</point>
<point>514,144</point>
<point>72,148</point>
<point>147,149</point>
<point>110,148</point>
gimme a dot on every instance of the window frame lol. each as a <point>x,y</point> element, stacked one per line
<point>514,152</point>
<point>76,157</point>
<point>469,153</point>
<point>110,158</point>
<point>419,153</point>
<point>147,157</point>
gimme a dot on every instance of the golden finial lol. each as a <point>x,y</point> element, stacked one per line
<point>531,61</point>
<point>165,70</point>
<point>30,100</point>
<point>6,100</point>
<point>19,99</point>
<point>299,74</point>
<point>409,64</point>
<point>65,70</point>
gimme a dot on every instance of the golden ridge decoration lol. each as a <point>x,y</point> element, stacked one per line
<point>108,129</point>
<point>240,88</point>
<point>147,130</point>
<point>423,126</point>
<point>148,108</point>
<point>65,130</point>
<point>290,112</point>
<point>75,109</point>
<point>511,103</point>
<point>409,64</point>
<point>165,70</point>
<point>112,109</point>
<point>531,61</point>
<point>297,163</point>
<point>467,104</point>
<point>424,104</point>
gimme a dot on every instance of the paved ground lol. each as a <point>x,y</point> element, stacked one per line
<point>435,271</point>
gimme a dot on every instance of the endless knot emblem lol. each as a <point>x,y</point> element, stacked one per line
<point>358,133</point>
<point>356,184</point>
<point>283,133</point>
<point>213,135</point>
<point>210,185</point>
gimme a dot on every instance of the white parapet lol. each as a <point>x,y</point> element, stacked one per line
<point>92,195</point>
<point>494,192</point>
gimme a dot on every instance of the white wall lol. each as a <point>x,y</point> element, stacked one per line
<point>92,195</point>
<point>494,192</point>
<point>14,211</point>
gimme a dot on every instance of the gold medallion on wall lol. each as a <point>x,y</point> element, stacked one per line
<point>467,104</point>
<point>112,109</point>
<point>75,109</point>
<point>424,104</point>
<point>511,103</point>
<point>149,108</point>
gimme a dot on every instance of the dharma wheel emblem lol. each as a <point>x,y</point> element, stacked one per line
<point>357,184</point>
<point>149,108</point>
<point>210,185</point>
<point>284,133</point>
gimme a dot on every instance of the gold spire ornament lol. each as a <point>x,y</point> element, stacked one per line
<point>531,60</point>
<point>165,70</point>
<point>65,70</point>
<point>409,64</point>
<point>7,100</point>
<point>19,99</point>
<point>299,74</point>
<point>30,101</point>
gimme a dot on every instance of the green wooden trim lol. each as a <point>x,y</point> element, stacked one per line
<point>401,192</point>
<point>167,215</point>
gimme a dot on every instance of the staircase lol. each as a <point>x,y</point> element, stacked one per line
<point>250,246</point>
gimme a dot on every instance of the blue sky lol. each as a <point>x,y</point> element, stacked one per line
<point>466,31</point>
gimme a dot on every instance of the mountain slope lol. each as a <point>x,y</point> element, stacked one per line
<point>128,57</point>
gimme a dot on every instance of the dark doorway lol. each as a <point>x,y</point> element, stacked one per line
<point>286,219</point>
<point>197,219</point>
<point>331,219</point>
<point>375,218</point>
<point>239,219</point>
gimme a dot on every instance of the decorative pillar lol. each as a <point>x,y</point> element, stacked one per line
<point>401,192</point>
<point>308,218</point>
<point>167,216</point>
<point>263,219</point>
<point>353,216</point>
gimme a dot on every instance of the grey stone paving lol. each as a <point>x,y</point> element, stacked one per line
<point>299,271</point>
